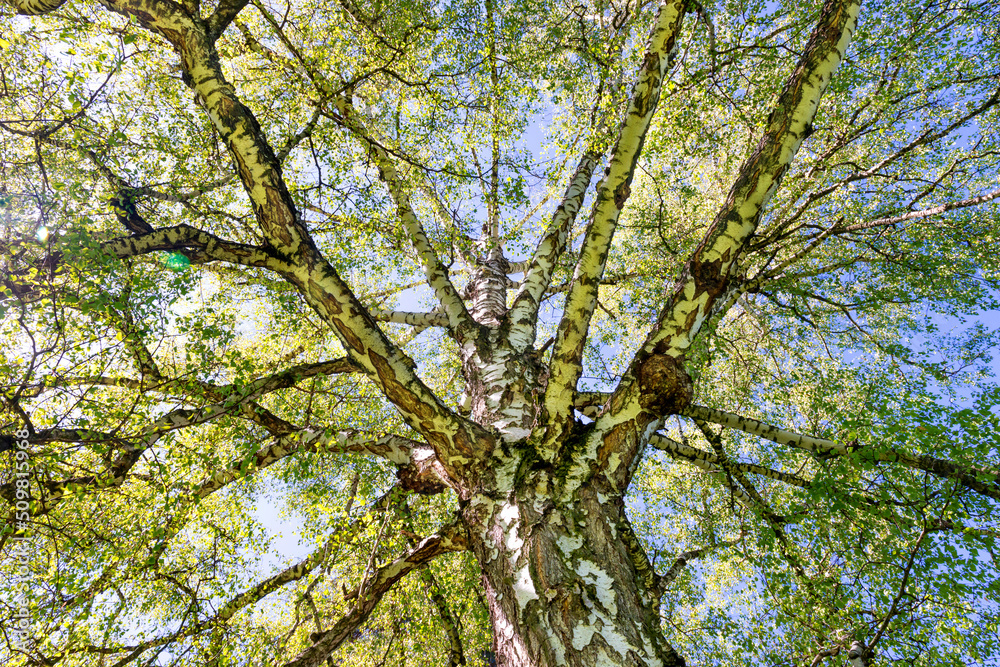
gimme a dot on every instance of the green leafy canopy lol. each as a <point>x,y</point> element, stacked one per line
<point>181,359</point>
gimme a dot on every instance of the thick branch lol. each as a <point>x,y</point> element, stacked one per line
<point>707,272</point>
<point>198,245</point>
<point>291,250</point>
<point>524,312</point>
<point>456,440</point>
<point>656,383</point>
<point>983,481</point>
<point>370,592</point>
<point>613,191</point>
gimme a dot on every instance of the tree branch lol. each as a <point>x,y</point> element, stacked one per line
<point>538,275</point>
<point>690,454</point>
<point>613,191</point>
<point>452,624</point>
<point>700,459</point>
<point>248,597</point>
<point>925,213</point>
<point>36,7</point>
<point>457,440</point>
<point>925,138</point>
<point>664,580</point>
<point>870,649</point>
<point>196,244</point>
<point>459,319</point>
<point>983,481</point>
<point>402,451</point>
<point>370,592</point>
<point>224,14</point>
<point>836,229</point>
<point>132,450</point>
<point>656,383</point>
<point>421,320</point>
<point>707,273</point>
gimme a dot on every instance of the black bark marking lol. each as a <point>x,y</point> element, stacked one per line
<point>622,193</point>
<point>709,276</point>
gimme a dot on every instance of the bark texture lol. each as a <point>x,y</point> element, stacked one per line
<point>565,581</point>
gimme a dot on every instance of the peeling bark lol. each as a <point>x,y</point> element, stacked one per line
<point>563,586</point>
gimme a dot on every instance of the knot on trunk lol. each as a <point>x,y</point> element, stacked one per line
<point>665,386</point>
<point>423,479</point>
<point>622,193</point>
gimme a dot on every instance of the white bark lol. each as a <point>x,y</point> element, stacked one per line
<point>681,320</point>
<point>540,494</point>
<point>455,440</point>
<point>612,193</point>
<point>538,274</point>
<point>986,482</point>
<point>705,278</point>
<point>420,320</point>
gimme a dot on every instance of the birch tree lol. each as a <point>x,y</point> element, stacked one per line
<point>567,333</point>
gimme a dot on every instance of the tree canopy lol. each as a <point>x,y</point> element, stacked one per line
<point>586,332</point>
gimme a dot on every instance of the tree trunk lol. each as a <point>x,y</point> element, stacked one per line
<point>565,580</point>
